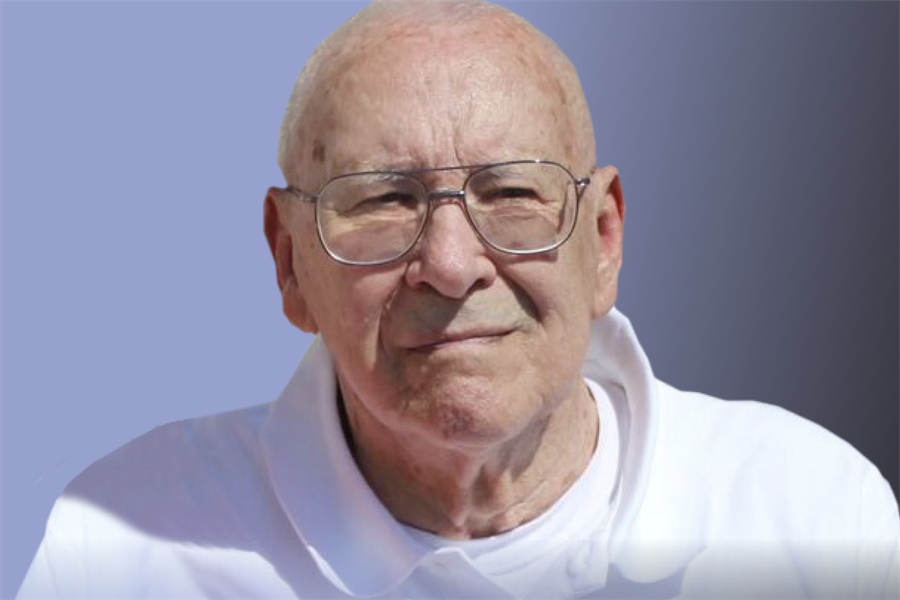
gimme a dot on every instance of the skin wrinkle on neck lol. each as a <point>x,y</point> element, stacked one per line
<point>467,495</point>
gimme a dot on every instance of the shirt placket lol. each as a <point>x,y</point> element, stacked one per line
<point>448,573</point>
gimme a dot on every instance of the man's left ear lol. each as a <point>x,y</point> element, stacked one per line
<point>610,222</point>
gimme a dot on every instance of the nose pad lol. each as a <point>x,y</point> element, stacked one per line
<point>448,230</point>
<point>450,257</point>
<point>438,197</point>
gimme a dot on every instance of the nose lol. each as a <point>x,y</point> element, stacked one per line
<point>450,258</point>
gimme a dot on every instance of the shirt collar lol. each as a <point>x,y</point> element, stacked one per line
<point>614,356</point>
<point>341,520</point>
<point>323,492</point>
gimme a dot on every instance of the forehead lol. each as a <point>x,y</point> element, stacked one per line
<point>411,99</point>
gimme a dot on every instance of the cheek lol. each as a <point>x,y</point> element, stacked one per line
<point>571,284</point>
<point>561,293</point>
<point>348,304</point>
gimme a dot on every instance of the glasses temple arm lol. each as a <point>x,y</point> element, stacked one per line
<point>304,196</point>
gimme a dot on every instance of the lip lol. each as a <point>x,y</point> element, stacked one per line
<point>457,338</point>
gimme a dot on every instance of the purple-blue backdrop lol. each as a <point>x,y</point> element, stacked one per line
<point>758,147</point>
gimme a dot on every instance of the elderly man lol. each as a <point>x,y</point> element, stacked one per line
<point>476,420</point>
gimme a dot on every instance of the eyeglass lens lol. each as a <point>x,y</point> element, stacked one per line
<point>370,218</point>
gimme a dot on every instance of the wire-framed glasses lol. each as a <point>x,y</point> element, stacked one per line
<point>517,207</point>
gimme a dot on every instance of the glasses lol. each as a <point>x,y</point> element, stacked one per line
<point>516,207</point>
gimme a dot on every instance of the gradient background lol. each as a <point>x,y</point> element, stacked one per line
<point>758,149</point>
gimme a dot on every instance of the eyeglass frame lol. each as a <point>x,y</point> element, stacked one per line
<point>449,195</point>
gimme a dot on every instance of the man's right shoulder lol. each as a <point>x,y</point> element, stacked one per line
<point>173,513</point>
<point>177,471</point>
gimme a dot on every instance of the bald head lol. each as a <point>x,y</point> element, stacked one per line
<point>453,57</point>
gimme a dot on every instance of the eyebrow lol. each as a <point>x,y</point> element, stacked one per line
<point>410,164</point>
<point>413,166</point>
<point>396,166</point>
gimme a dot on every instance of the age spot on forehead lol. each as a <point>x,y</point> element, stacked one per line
<point>318,151</point>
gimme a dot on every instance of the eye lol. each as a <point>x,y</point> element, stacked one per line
<point>509,193</point>
<point>394,198</point>
<point>391,202</point>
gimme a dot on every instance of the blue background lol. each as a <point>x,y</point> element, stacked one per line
<point>758,148</point>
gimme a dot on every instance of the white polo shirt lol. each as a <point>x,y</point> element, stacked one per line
<point>686,497</point>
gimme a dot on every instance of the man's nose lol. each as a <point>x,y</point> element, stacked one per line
<point>450,257</point>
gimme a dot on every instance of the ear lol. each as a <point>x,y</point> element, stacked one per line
<point>281,244</point>
<point>610,220</point>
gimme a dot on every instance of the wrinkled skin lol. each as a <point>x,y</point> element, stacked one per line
<point>459,366</point>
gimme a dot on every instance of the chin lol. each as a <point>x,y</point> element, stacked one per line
<point>470,416</point>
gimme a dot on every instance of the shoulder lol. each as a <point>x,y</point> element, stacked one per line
<point>143,519</point>
<point>762,461</point>
<point>744,426</point>
<point>754,497</point>
<point>178,447</point>
<point>749,430</point>
<point>179,473</point>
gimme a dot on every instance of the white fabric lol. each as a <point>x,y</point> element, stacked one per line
<point>712,499</point>
<point>534,560</point>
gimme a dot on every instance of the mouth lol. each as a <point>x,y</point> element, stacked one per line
<point>447,340</point>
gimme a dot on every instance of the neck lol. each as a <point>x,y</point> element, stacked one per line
<point>465,493</point>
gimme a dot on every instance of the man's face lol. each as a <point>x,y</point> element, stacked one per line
<point>454,342</point>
